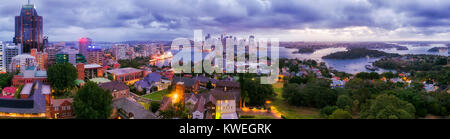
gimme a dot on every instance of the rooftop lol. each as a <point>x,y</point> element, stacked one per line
<point>35,104</point>
<point>130,106</point>
<point>58,102</point>
<point>113,86</point>
<point>100,80</point>
<point>122,71</point>
<point>92,66</point>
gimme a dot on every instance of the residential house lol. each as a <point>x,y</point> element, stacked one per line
<point>117,89</point>
<point>62,108</point>
<point>152,80</point>
<point>190,85</point>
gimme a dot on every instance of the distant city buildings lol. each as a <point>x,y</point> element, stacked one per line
<point>29,29</point>
<point>119,51</point>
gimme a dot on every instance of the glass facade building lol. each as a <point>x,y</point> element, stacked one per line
<point>28,29</point>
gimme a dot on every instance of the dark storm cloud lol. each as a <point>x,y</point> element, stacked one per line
<point>132,19</point>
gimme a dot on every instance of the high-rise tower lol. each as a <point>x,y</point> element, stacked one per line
<point>28,28</point>
<point>83,45</point>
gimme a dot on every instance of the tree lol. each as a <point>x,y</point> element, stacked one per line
<point>92,102</point>
<point>344,102</point>
<point>363,75</point>
<point>253,92</point>
<point>62,76</point>
<point>374,75</point>
<point>5,79</point>
<point>290,93</point>
<point>416,98</point>
<point>316,93</point>
<point>388,75</point>
<point>178,110</point>
<point>328,110</point>
<point>340,114</point>
<point>155,106</point>
<point>387,107</point>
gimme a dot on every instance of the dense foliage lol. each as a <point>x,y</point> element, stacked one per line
<point>316,93</point>
<point>354,53</point>
<point>253,92</point>
<point>387,107</point>
<point>62,76</point>
<point>92,102</point>
<point>5,80</point>
<point>135,63</point>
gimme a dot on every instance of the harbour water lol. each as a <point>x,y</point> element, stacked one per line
<point>349,65</point>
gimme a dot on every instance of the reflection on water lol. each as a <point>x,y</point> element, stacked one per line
<point>350,66</point>
<point>417,50</point>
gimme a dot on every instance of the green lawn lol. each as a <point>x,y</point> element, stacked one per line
<point>292,112</point>
<point>157,95</point>
<point>256,117</point>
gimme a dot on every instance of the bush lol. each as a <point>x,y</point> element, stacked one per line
<point>340,114</point>
<point>328,110</point>
<point>155,106</point>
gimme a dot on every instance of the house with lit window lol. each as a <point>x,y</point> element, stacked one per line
<point>190,85</point>
<point>62,108</point>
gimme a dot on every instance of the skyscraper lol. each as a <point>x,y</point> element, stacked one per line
<point>83,45</point>
<point>10,51</point>
<point>2,69</point>
<point>28,29</point>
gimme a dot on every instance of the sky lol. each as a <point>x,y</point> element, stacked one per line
<point>287,20</point>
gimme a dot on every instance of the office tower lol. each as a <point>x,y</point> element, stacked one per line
<point>2,69</point>
<point>51,52</point>
<point>62,58</point>
<point>45,42</point>
<point>80,59</point>
<point>83,45</point>
<point>10,51</point>
<point>95,56</point>
<point>71,54</point>
<point>28,29</point>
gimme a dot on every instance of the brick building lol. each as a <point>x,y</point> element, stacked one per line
<point>117,89</point>
<point>62,108</point>
<point>127,75</point>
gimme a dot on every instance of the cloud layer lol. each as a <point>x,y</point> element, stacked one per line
<point>353,20</point>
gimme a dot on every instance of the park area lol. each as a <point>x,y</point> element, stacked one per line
<point>157,96</point>
<point>288,111</point>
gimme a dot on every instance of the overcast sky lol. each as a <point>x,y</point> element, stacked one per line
<point>288,20</point>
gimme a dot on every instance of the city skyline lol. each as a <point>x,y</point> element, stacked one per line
<point>348,20</point>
